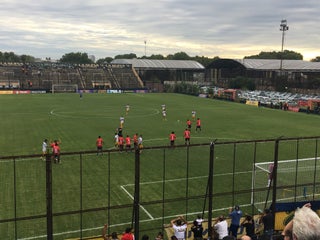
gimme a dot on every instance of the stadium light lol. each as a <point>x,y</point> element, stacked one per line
<point>145,48</point>
<point>283,27</point>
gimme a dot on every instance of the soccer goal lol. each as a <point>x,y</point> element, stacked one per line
<point>64,88</point>
<point>295,180</point>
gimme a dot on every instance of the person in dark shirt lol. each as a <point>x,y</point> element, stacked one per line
<point>197,230</point>
<point>268,223</point>
<point>248,225</point>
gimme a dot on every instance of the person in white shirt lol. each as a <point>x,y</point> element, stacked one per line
<point>221,227</point>
<point>179,226</point>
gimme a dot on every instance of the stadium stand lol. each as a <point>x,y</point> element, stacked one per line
<point>119,74</point>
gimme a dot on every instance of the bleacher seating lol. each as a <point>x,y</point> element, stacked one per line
<point>87,76</point>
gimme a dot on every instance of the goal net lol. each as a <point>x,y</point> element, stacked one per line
<point>64,88</point>
<point>296,180</point>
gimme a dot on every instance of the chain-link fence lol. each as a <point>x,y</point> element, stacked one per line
<point>146,189</point>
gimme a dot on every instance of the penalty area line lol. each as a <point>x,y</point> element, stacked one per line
<point>145,210</point>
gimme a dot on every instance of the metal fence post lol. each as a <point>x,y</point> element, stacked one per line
<point>49,197</point>
<point>210,186</point>
<point>136,201</point>
<point>274,177</point>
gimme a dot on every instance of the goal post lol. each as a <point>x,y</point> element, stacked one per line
<point>64,88</point>
<point>293,178</point>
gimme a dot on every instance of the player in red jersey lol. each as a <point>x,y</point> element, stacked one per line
<point>120,143</point>
<point>99,144</point>
<point>128,143</point>
<point>172,138</point>
<point>56,152</point>
<point>189,124</point>
<point>198,125</point>
<point>186,135</point>
<point>135,141</point>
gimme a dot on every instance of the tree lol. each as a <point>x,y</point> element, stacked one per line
<point>178,56</point>
<point>9,57</point>
<point>277,55</point>
<point>156,57</point>
<point>76,58</point>
<point>205,61</point>
<point>317,59</point>
<point>27,59</point>
<point>126,56</point>
<point>104,60</point>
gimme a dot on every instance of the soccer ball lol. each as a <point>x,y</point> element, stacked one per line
<point>178,121</point>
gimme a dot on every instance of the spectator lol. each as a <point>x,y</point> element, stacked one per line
<point>179,226</point>
<point>287,234</point>
<point>145,237</point>
<point>305,224</point>
<point>104,232</point>
<point>229,238</point>
<point>268,223</point>
<point>249,226</point>
<point>114,235</point>
<point>245,237</point>
<point>235,214</point>
<point>221,227</point>
<point>127,235</point>
<point>159,236</point>
<point>199,220</point>
<point>197,230</point>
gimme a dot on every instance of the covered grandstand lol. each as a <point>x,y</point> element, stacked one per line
<point>155,73</point>
<point>124,74</point>
<point>267,74</point>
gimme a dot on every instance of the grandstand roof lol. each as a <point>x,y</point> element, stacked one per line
<point>274,64</point>
<point>160,64</point>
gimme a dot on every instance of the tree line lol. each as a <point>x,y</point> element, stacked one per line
<point>83,58</point>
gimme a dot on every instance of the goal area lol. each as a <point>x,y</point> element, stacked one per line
<point>64,88</point>
<point>295,181</point>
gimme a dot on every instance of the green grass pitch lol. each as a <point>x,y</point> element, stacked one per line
<point>27,119</point>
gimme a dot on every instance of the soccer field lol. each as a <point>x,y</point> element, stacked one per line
<point>108,180</point>
<point>27,119</point>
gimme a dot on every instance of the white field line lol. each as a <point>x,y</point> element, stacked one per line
<point>179,179</point>
<point>130,195</point>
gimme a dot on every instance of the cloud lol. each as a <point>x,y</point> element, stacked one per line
<point>223,28</point>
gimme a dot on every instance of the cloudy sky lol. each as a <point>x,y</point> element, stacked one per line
<point>105,28</point>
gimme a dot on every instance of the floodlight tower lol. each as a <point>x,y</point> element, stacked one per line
<point>145,48</point>
<point>283,27</point>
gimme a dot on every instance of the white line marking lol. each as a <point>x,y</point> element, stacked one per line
<point>145,210</point>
